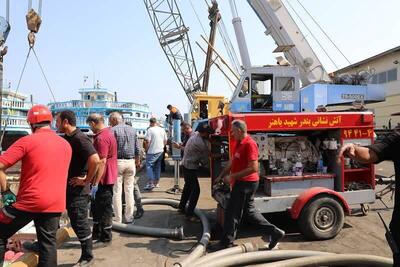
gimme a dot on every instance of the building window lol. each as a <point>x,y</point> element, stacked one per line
<point>392,75</point>
<point>382,77</point>
<point>374,79</point>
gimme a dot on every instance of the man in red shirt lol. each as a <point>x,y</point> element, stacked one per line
<point>41,196</point>
<point>106,146</point>
<point>243,169</point>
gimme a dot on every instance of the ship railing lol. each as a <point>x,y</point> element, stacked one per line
<point>7,103</point>
<point>100,104</point>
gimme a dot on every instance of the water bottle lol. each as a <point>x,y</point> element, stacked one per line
<point>320,165</point>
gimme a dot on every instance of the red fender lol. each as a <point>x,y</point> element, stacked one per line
<point>307,195</point>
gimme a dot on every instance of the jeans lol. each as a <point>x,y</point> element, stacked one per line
<point>153,167</point>
<point>102,215</point>
<point>241,204</point>
<point>77,207</point>
<point>191,191</point>
<point>46,224</point>
<point>126,177</point>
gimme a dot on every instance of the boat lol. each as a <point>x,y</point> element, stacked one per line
<point>14,110</point>
<point>103,101</point>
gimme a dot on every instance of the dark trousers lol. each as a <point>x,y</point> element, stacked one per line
<point>46,224</point>
<point>77,207</point>
<point>103,212</point>
<point>241,205</point>
<point>191,191</point>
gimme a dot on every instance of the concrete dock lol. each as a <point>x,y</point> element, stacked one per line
<point>360,234</point>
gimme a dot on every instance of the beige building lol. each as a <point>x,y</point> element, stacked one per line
<point>385,70</point>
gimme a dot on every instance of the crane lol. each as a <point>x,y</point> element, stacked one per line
<point>276,88</point>
<point>173,38</point>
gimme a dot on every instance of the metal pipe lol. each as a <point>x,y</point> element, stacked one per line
<point>240,37</point>
<point>243,248</point>
<point>260,257</point>
<point>8,10</point>
<point>339,259</point>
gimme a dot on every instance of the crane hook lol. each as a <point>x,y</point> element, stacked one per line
<point>33,22</point>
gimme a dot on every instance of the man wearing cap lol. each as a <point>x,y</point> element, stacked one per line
<point>41,196</point>
<point>195,154</point>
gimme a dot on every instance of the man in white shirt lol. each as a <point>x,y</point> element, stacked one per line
<point>154,143</point>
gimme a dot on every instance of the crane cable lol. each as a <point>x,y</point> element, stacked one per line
<point>323,31</point>
<point>312,35</point>
<point>33,25</point>
<point>16,91</point>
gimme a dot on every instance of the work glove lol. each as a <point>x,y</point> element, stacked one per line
<point>8,197</point>
<point>93,191</point>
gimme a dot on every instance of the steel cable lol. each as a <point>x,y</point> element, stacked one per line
<point>16,91</point>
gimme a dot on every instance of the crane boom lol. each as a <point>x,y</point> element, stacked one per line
<point>290,40</point>
<point>174,40</point>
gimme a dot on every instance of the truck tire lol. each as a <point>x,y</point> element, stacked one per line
<point>321,218</point>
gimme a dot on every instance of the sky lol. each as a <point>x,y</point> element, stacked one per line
<point>114,42</point>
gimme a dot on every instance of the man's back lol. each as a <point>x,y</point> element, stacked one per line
<point>127,144</point>
<point>45,161</point>
<point>106,147</point>
<point>155,136</point>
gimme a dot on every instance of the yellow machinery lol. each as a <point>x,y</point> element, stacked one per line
<point>208,106</point>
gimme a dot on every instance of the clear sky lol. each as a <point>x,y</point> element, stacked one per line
<point>114,42</point>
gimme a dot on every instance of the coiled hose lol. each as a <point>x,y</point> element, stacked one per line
<point>176,233</point>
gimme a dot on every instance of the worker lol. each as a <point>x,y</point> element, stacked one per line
<point>244,180</point>
<point>128,160</point>
<point>154,143</point>
<point>136,190</point>
<point>106,146</point>
<point>385,149</point>
<point>174,114</point>
<point>45,159</point>
<point>187,132</point>
<point>82,169</point>
<point>195,154</point>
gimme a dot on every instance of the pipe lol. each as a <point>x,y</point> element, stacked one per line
<point>197,252</point>
<point>200,249</point>
<point>261,257</point>
<point>342,260</point>
<point>242,248</point>
<point>176,233</point>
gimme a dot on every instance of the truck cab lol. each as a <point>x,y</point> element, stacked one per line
<point>267,89</point>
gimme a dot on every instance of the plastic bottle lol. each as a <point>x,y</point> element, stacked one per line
<point>320,164</point>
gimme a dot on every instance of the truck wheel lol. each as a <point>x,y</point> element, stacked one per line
<point>321,218</point>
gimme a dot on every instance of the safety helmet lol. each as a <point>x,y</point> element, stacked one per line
<point>38,114</point>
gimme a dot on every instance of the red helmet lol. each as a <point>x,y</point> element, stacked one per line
<point>38,114</point>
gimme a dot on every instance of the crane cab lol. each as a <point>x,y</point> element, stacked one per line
<point>267,89</point>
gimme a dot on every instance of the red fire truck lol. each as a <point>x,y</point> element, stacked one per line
<point>299,169</point>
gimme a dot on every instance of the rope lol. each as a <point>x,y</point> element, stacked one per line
<point>313,36</point>
<point>16,91</point>
<point>44,75</point>
<point>327,36</point>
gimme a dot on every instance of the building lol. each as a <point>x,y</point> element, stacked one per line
<point>102,101</point>
<point>14,110</point>
<point>384,70</point>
